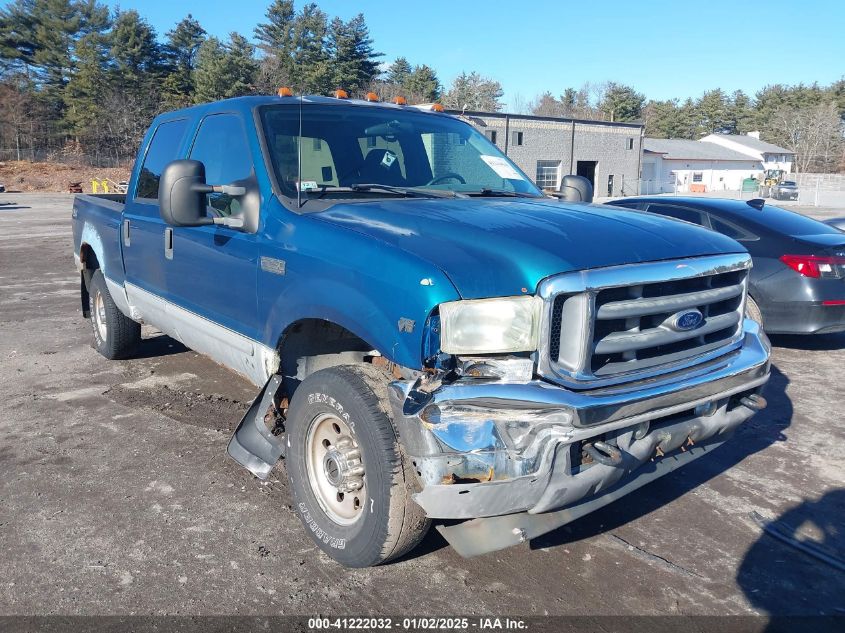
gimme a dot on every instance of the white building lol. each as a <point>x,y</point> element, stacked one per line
<point>677,165</point>
<point>771,156</point>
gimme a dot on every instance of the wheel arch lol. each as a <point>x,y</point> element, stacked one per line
<point>310,344</point>
<point>89,263</point>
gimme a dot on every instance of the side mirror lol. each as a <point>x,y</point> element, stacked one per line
<point>575,189</point>
<point>181,195</point>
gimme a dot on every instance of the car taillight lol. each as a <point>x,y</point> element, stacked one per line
<point>816,266</point>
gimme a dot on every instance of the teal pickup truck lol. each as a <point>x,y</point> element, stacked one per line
<point>433,337</point>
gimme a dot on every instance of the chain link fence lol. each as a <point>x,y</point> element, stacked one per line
<point>818,190</point>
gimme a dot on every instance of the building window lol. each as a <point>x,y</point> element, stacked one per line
<point>630,144</point>
<point>491,135</point>
<point>697,176</point>
<point>548,173</point>
<point>516,138</point>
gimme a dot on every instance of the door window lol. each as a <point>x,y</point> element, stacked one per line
<point>164,148</point>
<point>679,213</point>
<point>731,230</point>
<point>221,146</point>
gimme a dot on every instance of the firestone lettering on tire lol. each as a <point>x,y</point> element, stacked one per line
<point>320,533</point>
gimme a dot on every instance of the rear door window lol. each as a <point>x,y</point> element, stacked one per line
<point>731,230</point>
<point>164,148</point>
<point>679,213</point>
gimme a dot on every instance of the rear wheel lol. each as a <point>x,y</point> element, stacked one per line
<point>753,312</point>
<point>115,334</point>
<point>351,481</point>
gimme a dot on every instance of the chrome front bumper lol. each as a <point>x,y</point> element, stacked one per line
<point>484,449</point>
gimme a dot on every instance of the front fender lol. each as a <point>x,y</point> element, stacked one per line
<point>355,281</point>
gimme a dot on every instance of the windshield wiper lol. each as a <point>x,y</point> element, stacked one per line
<point>403,191</point>
<point>493,193</point>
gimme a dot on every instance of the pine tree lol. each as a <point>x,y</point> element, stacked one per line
<point>17,37</point>
<point>38,37</point>
<point>180,53</point>
<point>621,103</point>
<point>422,84</point>
<point>399,72</point>
<point>741,113</point>
<point>241,67</point>
<point>137,57</point>
<point>713,110</point>
<point>351,53</point>
<point>225,70</point>
<point>82,94</point>
<point>311,71</point>
<point>276,43</point>
<point>132,96</point>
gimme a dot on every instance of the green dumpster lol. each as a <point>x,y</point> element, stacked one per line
<point>750,184</point>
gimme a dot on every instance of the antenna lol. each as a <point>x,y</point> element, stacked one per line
<point>299,159</point>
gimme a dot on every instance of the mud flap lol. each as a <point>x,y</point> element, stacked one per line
<point>253,446</point>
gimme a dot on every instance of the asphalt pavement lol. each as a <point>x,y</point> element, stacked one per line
<point>116,495</point>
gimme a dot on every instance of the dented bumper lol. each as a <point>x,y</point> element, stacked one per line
<point>485,449</point>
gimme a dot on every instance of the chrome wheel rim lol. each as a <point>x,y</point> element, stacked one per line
<point>100,316</point>
<point>335,469</point>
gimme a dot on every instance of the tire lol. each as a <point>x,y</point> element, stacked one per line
<point>116,336</point>
<point>364,526</point>
<point>753,312</point>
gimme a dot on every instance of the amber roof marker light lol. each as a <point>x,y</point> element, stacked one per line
<point>340,94</point>
<point>437,107</point>
<point>284,91</point>
<point>372,96</point>
<point>400,101</point>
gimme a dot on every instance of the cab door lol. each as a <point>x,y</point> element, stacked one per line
<point>143,231</point>
<point>211,270</point>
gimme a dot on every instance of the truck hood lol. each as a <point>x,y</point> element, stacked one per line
<point>505,246</point>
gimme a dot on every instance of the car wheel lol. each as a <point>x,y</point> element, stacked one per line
<point>753,312</point>
<point>351,481</point>
<point>115,334</point>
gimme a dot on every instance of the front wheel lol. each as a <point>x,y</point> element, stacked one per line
<point>351,481</point>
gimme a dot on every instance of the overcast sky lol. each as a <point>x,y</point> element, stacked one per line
<point>664,49</point>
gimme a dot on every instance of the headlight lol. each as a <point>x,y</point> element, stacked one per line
<point>489,326</point>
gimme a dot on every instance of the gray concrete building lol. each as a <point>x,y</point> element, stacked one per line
<point>548,148</point>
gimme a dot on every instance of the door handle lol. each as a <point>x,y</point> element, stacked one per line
<point>168,243</point>
<point>126,233</point>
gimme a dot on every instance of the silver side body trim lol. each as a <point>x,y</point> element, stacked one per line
<point>118,295</point>
<point>237,352</point>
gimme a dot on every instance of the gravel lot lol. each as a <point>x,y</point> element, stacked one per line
<point>116,495</point>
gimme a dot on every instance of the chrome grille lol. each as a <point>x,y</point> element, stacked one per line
<point>610,325</point>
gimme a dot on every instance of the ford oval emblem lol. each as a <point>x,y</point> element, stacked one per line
<point>688,320</point>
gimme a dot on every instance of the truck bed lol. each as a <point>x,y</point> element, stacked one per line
<point>96,222</point>
<point>111,201</point>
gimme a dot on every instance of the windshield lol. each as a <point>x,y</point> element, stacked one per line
<point>346,146</point>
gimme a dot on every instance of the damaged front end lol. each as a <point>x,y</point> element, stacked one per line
<point>519,449</point>
<point>532,455</point>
